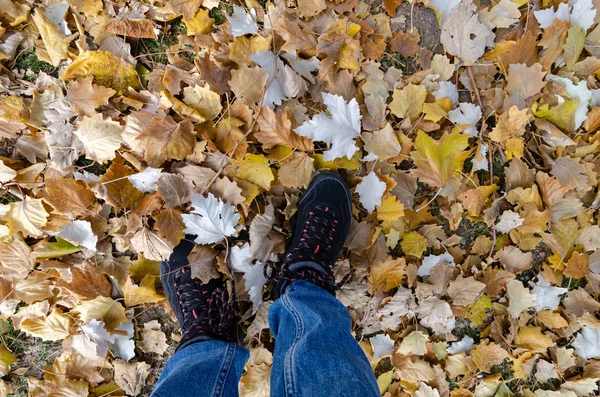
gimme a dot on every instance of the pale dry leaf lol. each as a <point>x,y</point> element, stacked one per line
<point>211,219</point>
<point>99,137</point>
<point>370,191</point>
<point>131,377</point>
<point>338,129</point>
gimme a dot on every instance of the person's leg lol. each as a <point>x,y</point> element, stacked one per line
<point>315,353</point>
<point>210,368</point>
<point>208,362</point>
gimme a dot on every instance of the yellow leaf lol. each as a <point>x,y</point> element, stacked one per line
<point>57,45</point>
<point>56,326</point>
<point>7,358</point>
<point>390,209</point>
<point>253,168</point>
<point>141,294</point>
<point>27,216</point>
<point>108,70</point>
<point>388,274</point>
<point>514,148</point>
<point>384,381</point>
<point>478,310</point>
<point>438,161</point>
<point>413,244</point>
<point>104,309</point>
<point>408,102</point>
<point>562,116</point>
<point>552,319</point>
<point>573,46</point>
<point>532,339</point>
<point>510,124</point>
<point>201,23</point>
<point>434,112</point>
<point>414,343</point>
<point>203,100</point>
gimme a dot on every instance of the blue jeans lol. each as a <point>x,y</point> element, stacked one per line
<point>315,354</point>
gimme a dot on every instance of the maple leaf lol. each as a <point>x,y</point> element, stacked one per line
<point>338,129</point>
<point>85,97</point>
<point>211,220</point>
<point>275,128</point>
<point>165,139</point>
<point>438,161</point>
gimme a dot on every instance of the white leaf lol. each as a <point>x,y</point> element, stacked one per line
<point>277,87</point>
<point>546,17</point>
<point>447,90</point>
<point>544,371</point>
<point>124,346</point>
<point>370,191</point>
<point>401,304</point>
<point>519,297</point>
<point>462,346</point>
<point>79,233</point>
<point>338,129</point>
<point>145,181</point>
<point>241,23</point>
<point>466,114</point>
<point>100,138</point>
<point>587,343</point>
<point>431,261</point>
<point>482,164</point>
<point>508,221</point>
<point>444,7</point>
<point>547,297</point>
<point>212,219</point>
<point>303,67</point>
<point>382,345</point>
<point>426,391</point>
<point>502,15</point>
<point>96,331</point>
<point>239,260</point>
<point>579,91</point>
<point>582,13</point>
<point>582,387</point>
<point>436,314</point>
<point>6,173</point>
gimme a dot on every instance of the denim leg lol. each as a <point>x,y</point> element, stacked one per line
<point>315,353</point>
<point>205,369</point>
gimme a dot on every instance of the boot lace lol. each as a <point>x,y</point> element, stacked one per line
<point>206,309</point>
<point>314,246</point>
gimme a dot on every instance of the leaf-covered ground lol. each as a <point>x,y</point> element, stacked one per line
<point>466,129</point>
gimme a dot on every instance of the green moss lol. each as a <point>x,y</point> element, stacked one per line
<point>573,283</point>
<point>19,387</point>
<point>464,327</point>
<point>469,231</point>
<point>219,14</point>
<point>28,60</point>
<point>155,51</point>
<point>503,369</point>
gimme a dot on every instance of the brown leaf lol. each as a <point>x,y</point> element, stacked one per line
<point>248,84</point>
<point>310,8</point>
<point>275,128</point>
<point>553,41</point>
<point>578,266</point>
<point>175,190</point>
<point>131,377</point>
<point>298,37</point>
<point>164,139</point>
<point>296,171</point>
<point>138,28</point>
<point>203,263</point>
<point>70,197</point>
<point>387,274</point>
<point>528,81</point>
<point>523,51</point>
<point>119,191</point>
<point>485,355</point>
<point>85,97</point>
<point>495,280</point>
<point>170,225</point>
<point>227,190</point>
<point>406,43</point>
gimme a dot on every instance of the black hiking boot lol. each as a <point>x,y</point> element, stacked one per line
<point>322,226</point>
<point>204,311</point>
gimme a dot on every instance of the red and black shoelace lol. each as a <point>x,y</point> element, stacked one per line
<point>315,242</point>
<point>206,308</point>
